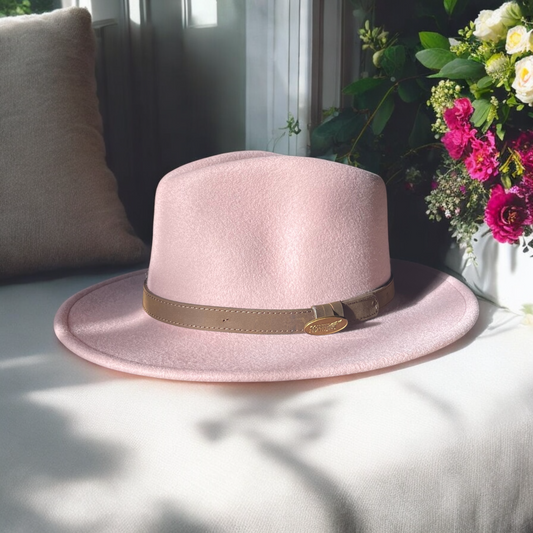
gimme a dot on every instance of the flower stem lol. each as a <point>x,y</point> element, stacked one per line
<point>410,152</point>
<point>369,121</point>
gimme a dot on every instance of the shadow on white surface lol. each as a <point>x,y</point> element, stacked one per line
<point>146,430</point>
<point>40,446</point>
<point>280,432</point>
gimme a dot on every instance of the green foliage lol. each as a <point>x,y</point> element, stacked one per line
<point>482,110</point>
<point>10,8</point>
<point>420,133</point>
<point>393,60</point>
<point>362,85</point>
<point>526,7</point>
<point>42,6</point>
<point>485,83</point>
<point>410,91</point>
<point>435,58</point>
<point>388,121</point>
<point>460,69</point>
<point>431,39</point>
<point>389,128</point>
<point>480,69</point>
<point>455,193</point>
<point>449,6</point>
<point>383,113</point>
<point>293,126</point>
<point>416,63</point>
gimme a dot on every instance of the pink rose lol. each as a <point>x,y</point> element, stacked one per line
<point>482,163</point>
<point>506,215</point>
<point>457,116</point>
<point>457,142</point>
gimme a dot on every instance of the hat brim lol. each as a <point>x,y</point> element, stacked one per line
<point>107,325</point>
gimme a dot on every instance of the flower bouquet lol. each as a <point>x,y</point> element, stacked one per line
<point>483,106</point>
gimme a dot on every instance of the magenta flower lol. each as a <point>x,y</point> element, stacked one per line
<point>482,163</point>
<point>506,215</point>
<point>524,190</point>
<point>457,142</point>
<point>457,117</point>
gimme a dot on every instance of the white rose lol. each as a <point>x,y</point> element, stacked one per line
<point>489,26</point>
<point>510,14</point>
<point>523,83</point>
<point>517,40</point>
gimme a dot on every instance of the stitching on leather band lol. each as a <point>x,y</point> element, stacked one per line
<point>194,326</point>
<point>215,310</point>
<point>322,325</point>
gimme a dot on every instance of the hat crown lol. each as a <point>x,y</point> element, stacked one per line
<point>267,231</point>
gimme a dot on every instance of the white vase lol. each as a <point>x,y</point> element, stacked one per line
<point>501,273</point>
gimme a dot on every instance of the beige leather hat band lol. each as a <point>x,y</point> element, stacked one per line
<point>318,320</point>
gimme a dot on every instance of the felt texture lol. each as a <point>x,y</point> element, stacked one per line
<point>107,325</point>
<point>266,231</point>
<point>58,202</point>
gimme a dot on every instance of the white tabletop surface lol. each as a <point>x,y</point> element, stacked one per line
<point>442,444</point>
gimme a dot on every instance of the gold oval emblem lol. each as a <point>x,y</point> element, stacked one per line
<point>325,325</point>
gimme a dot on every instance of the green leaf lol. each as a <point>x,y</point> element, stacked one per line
<point>460,69</point>
<point>481,112</point>
<point>485,82</point>
<point>449,6</point>
<point>383,115</point>
<point>326,137</point>
<point>363,85</point>
<point>369,100</point>
<point>350,128</point>
<point>421,129</point>
<point>500,132</point>
<point>503,113</point>
<point>409,91</point>
<point>435,58</point>
<point>323,136</point>
<point>393,60</point>
<point>506,181</point>
<point>431,39</point>
<point>526,7</point>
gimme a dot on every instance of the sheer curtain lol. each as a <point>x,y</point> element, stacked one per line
<point>278,75</point>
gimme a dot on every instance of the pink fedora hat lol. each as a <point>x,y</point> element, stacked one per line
<point>266,268</point>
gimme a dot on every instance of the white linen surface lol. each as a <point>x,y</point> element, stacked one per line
<point>441,444</point>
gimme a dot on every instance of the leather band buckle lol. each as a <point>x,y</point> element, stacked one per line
<point>329,318</point>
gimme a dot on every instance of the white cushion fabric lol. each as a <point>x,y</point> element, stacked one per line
<point>440,444</point>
